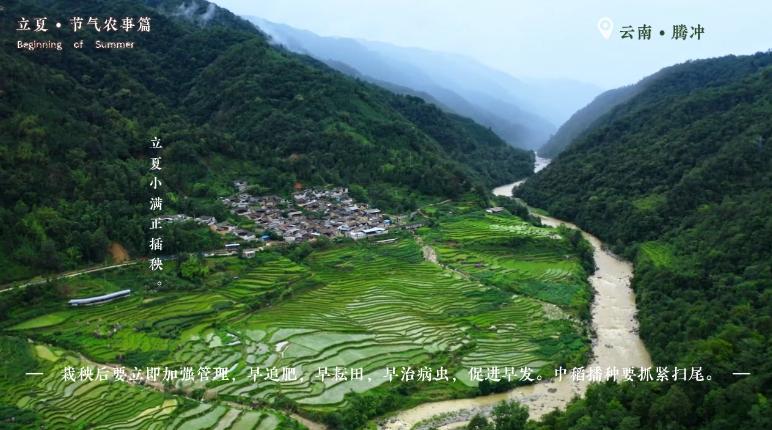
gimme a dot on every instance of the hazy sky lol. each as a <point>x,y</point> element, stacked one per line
<point>536,38</point>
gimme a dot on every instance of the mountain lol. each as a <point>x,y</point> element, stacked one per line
<point>514,109</point>
<point>679,178</point>
<point>583,119</point>
<point>75,126</point>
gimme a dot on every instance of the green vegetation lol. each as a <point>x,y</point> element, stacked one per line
<point>75,127</point>
<point>632,406</point>
<point>483,245</point>
<point>673,81</point>
<point>366,304</point>
<point>659,254</point>
<point>679,179</point>
<point>50,401</point>
<point>42,321</point>
<point>505,416</point>
<point>583,119</point>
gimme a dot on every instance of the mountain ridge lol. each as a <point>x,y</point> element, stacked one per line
<point>514,109</point>
<point>74,127</point>
<point>605,103</point>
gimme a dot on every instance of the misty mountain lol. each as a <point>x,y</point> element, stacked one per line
<point>552,99</point>
<point>522,112</point>
<point>583,119</point>
<point>674,78</point>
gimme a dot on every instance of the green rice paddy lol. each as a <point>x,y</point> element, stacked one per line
<point>513,255</point>
<point>64,404</point>
<point>353,305</point>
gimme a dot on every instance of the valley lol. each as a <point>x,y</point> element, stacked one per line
<point>368,305</point>
<point>329,245</point>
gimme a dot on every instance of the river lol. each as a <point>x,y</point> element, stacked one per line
<point>506,190</point>
<point>616,344</point>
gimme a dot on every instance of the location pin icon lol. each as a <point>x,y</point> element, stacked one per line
<point>605,26</point>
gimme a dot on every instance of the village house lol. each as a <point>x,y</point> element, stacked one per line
<point>206,220</point>
<point>246,235</point>
<point>334,214</point>
<point>356,235</point>
<point>240,185</point>
<point>374,231</point>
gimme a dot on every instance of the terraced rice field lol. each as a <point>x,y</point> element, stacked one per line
<point>64,404</point>
<point>259,282</point>
<point>355,305</point>
<point>507,252</point>
<point>134,326</point>
<point>383,306</point>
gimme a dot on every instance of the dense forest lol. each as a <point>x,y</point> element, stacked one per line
<point>679,178</point>
<point>75,127</point>
<point>678,80</point>
<point>582,119</point>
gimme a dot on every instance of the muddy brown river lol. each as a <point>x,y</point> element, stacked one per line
<point>616,344</point>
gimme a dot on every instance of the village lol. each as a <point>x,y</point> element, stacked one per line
<point>307,215</point>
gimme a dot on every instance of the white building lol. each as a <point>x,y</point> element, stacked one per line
<point>374,231</point>
<point>356,234</point>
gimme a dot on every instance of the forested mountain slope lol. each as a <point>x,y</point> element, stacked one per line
<point>521,111</point>
<point>680,179</point>
<point>582,119</point>
<point>678,80</point>
<point>75,127</point>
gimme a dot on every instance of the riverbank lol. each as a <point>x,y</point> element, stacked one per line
<point>506,190</point>
<point>616,345</point>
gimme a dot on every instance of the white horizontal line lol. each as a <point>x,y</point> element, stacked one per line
<point>741,373</point>
<point>34,373</point>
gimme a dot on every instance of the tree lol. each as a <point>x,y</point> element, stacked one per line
<point>510,416</point>
<point>194,268</point>
<point>478,422</point>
